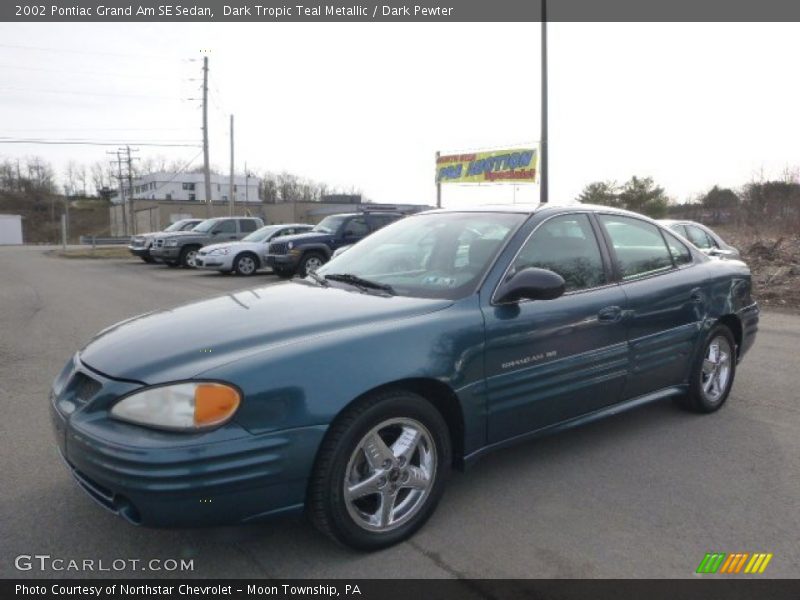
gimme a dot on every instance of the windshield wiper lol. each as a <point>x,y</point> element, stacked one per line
<point>318,278</point>
<point>360,282</point>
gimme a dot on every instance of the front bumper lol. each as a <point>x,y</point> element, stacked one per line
<point>169,253</point>
<point>159,478</point>
<point>214,262</point>
<point>282,261</point>
<point>139,251</point>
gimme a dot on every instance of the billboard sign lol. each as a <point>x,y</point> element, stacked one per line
<point>497,166</point>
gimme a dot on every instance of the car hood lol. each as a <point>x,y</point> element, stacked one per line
<point>182,234</point>
<point>235,244</point>
<point>311,236</point>
<point>180,343</point>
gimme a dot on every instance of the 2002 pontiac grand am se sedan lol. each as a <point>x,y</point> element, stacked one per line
<point>353,392</point>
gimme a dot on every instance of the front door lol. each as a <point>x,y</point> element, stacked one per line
<point>551,360</point>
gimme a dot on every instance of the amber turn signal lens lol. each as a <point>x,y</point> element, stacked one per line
<point>214,403</point>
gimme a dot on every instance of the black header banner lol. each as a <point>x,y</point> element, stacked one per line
<point>396,11</point>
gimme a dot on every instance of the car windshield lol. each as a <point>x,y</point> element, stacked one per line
<point>176,226</point>
<point>205,226</point>
<point>440,255</point>
<point>259,235</point>
<point>329,224</point>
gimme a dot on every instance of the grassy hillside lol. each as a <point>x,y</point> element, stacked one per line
<point>41,216</point>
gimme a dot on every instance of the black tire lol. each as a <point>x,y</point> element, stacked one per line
<point>310,257</point>
<point>326,503</point>
<point>284,273</point>
<point>241,267</point>
<point>698,399</point>
<point>187,254</point>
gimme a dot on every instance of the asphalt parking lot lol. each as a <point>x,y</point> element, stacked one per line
<point>643,494</point>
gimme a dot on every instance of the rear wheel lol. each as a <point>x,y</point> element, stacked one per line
<point>712,375</point>
<point>245,264</point>
<point>311,262</point>
<point>380,471</point>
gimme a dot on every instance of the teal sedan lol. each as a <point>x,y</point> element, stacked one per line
<point>351,394</point>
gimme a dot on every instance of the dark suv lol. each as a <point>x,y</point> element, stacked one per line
<point>299,254</point>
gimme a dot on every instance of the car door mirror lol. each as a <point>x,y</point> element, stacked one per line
<point>531,283</point>
<point>718,252</point>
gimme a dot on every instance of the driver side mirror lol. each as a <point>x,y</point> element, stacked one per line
<point>531,284</point>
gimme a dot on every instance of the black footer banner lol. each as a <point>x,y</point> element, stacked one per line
<point>405,589</point>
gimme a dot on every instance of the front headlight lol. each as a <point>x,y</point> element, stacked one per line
<point>220,251</point>
<point>171,243</point>
<point>189,406</point>
<point>290,245</point>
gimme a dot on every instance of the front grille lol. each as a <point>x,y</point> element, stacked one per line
<point>278,248</point>
<point>158,243</point>
<point>83,387</point>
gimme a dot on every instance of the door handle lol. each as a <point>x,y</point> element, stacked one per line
<point>609,314</point>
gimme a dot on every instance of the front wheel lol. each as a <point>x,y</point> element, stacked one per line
<point>245,264</point>
<point>712,375</point>
<point>380,471</point>
<point>311,262</point>
<point>188,256</point>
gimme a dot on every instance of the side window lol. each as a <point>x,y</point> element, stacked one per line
<point>228,226</point>
<point>639,246</point>
<point>356,227</point>
<point>680,253</point>
<point>699,237</point>
<point>247,225</point>
<point>566,245</point>
<point>679,229</point>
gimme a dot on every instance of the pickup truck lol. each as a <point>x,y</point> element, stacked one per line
<point>179,248</point>
<point>140,243</point>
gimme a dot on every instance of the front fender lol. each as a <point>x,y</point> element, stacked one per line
<point>310,381</point>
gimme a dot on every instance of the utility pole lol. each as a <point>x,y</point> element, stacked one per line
<point>130,191</point>
<point>231,193</point>
<point>438,183</point>
<point>543,177</point>
<point>118,154</point>
<point>206,166</point>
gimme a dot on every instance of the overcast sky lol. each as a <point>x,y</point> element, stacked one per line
<point>367,105</point>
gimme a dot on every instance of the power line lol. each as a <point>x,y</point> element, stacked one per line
<point>73,93</point>
<point>69,71</point>
<point>94,143</point>
<point>73,51</point>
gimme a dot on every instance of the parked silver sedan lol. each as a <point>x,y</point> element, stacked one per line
<point>702,237</point>
<point>246,256</point>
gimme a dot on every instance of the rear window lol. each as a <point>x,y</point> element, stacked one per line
<point>639,246</point>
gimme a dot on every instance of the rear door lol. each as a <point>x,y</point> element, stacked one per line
<point>665,301</point>
<point>551,360</point>
<point>246,227</point>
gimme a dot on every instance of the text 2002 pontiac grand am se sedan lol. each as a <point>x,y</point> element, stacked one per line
<point>353,392</point>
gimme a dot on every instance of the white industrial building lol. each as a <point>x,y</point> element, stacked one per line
<point>191,187</point>
<point>10,229</point>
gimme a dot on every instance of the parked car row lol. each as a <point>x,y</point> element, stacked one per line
<point>243,245</point>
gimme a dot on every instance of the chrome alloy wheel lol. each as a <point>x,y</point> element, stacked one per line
<point>390,474</point>
<point>191,255</point>
<point>716,369</point>
<point>313,263</point>
<point>246,265</point>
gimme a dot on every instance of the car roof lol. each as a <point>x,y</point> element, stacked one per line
<point>530,209</point>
